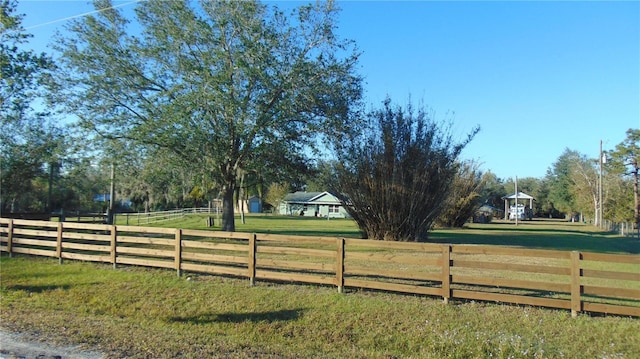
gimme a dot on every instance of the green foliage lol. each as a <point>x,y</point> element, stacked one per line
<point>464,198</point>
<point>275,194</point>
<point>31,143</point>
<point>228,86</point>
<point>395,179</point>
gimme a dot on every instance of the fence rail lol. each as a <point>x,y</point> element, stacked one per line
<point>576,281</point>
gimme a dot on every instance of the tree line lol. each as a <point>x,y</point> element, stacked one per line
<point>220,100</point>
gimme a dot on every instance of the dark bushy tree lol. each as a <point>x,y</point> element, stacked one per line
<point>394,179</point>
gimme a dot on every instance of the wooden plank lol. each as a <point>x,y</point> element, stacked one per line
<point>85,257</point>
<point>576,289</point>
<point>4,248</point>
<point>294,277</point>
<point>178,250</point>
<point>446,273</point>
<point>35,252</point>
<point>34,223</point>
<point>611,309</point>
<point>393,287</point>
<point>611,292</point>
<point>213,269</point>
<point>59,242</point>
<point>148,230</point>
<point>251,268</point>
<point>591,273</point>
<point>145,262</point>
<point>614,258</point>
<point>146,240</point>
<point>289,264</point>
<point>295,239</point>
<point>393,258</point>
<point>10,237</point>
<point>216,234</point>
<point>509,251</point>
<point>410,246</point>
<point>528,268</point>
<point>513,283</point>
<point>513,299</point>
<point>150,252</point>
<point>297,251</point>
<point>86,236</point>
<point>396,274</point>
<point>86,247</point>
<point>90,226</point>
<point>215,246</point>
<point>34,242</point>
<point>114,245</point>
<point>207,257</point>
<point>340,242</point>
<point>35,232</point>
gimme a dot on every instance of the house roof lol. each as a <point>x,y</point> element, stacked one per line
<point>309,197</point>
<point>521,195</point>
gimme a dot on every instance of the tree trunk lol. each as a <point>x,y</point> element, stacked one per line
<point>228,220</point>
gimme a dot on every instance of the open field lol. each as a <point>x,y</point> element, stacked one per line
<point>147,313</point>
<point>540,233</point>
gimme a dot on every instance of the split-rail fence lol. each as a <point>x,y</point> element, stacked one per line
<point>572,280</point>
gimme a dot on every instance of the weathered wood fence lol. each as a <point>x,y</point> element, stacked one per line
<point>576,281</point>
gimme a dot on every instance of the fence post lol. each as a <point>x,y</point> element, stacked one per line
<point>178,250</point>
<point>576,287</point>
<point>340,265</point>
<point>252,259</point>
<point>59,243</point>
<point>10,238</point>
<point>446,273</point>
<point>114,246</point>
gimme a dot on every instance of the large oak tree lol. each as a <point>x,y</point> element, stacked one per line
<point>226,85</point>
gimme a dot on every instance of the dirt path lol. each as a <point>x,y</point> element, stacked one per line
<point>19,346</point>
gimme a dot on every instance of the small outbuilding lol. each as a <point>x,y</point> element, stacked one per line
<point>517,209</point>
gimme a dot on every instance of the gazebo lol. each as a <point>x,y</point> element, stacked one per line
<point>516,197</point>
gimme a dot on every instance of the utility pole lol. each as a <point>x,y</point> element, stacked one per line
<point>112,196</point>
<point>599,216</point>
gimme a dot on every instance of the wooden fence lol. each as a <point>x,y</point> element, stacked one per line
<point>576,281</point>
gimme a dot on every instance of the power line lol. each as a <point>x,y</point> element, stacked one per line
<point>81,15</point>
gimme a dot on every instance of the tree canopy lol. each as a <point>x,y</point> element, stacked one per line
<point>226,85</point>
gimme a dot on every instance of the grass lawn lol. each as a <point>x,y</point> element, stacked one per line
<point>148,313</point>
<point>540,233</point>
<point>151,313</point>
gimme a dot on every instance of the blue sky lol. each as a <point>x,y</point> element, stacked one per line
<point>537,77</point>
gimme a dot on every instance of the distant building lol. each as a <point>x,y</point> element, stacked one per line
<point>252,204</point>
<point>312,204</point>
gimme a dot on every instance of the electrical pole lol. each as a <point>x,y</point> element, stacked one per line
<point>600,207</point>
<point>112,196</point>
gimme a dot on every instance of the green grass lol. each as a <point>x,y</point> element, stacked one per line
<point>148,313</point>
<point>144,313</point>
<point>539,234</point>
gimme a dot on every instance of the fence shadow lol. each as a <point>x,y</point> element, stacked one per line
<point>255,317</point>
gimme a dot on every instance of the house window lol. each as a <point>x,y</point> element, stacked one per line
<point>334,208</point>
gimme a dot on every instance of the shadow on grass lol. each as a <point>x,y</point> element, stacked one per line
<point>268,317</point>
<point>38,288</point>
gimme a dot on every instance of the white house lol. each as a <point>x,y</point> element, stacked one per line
<point>312,204</point>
